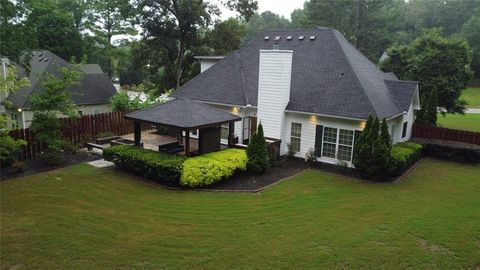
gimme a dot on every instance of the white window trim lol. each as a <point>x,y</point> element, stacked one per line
<point>337,143</point>
<point>296,137</point>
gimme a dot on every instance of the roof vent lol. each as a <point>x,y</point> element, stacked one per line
<point>46,59</point>
<point>312,37</point>
<point>267,37</point>
<point>40,54</point>
<point>276,46</point>
<point>289,38</point>
<point>278,37</point>
<point>40,59</point>
<point>301,37</point>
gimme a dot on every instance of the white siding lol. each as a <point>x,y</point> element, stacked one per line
<point>274,90</point>
<point>206,64</point>
<point>309,124</point>
<point>242,112</point>
<point>26,116</point>
<point>396,125</point>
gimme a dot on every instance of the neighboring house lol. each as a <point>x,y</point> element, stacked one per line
<point>91,95</point>
<point>309,88</point>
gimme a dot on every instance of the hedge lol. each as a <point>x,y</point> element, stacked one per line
<point>213,167</point>
<point>147,163</point>
<point>450,150</point>
<point>404,155</point>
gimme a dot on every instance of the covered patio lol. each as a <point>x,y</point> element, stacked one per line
<point>180,117</point>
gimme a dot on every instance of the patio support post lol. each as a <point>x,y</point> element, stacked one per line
<point>137,132</point>
<point>231,133</point>
<point>187,142</point>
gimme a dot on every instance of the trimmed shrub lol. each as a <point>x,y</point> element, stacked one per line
<point>147,163</point>
<point>404,155</point>
<point>372,156</point>
<point>9,149</point>
<point>210,168</point>
<point>257,152</point>
<point>452,151</point>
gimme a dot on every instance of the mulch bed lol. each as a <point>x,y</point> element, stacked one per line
<point>38,165</point>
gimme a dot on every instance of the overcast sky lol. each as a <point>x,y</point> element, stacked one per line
<point>281,7</point>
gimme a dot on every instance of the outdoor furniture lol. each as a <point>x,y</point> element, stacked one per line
<point>171,148</point>
<point>90,146</point>
<point>105,140</point>
<point>124,142</point>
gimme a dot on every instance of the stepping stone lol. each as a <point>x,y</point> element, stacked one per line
<point>101,163</point>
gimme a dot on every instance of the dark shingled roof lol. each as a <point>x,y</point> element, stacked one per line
<point>183,113</point>
<point>91,69</point>
<point>329,77</point>
<point>94,88</point>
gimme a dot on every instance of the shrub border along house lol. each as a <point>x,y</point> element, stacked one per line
<point>403,156</point>
<point>193,172</point>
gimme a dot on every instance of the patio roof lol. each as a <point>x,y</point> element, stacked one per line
<point>184,114</point>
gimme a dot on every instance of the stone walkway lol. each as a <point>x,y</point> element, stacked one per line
<point>101,163</point>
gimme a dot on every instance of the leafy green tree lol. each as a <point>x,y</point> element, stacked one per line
<point>171,31</point>
<point>226,36</point>
<point>437,63</point>
<point>257,152</point>
<point>245,8</point>
<point>107,19</point>
<point>47,105</point>
<point>267,20</point>
<point>362,22</point>
<point>123,103</point>
<point>471,31</point>
<point>54,29</point>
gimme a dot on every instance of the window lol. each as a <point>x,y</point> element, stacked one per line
<point>15,122</point>
<point>246,130</point>
<point>404,129</point>
<point>97,111</point>
<point>194,132</point>
<point>80,113</point>
<point>337,143</point>
<point>224,131</point>
<point>295,136</point>
<point>345,145</point>
<point>329,142</point>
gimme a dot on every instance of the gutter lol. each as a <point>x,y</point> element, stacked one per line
<point>326,115</point>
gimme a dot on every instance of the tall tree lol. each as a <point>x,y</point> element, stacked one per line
<point>245,8</point>
<point>110,18</point>
<point>265,21</point>
<point>54,29</point>
<point>437,63</point>
<point>360,21</point>
<point>226,36</point>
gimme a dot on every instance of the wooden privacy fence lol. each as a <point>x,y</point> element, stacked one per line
<point>432,132</point>
<point>79,130</point>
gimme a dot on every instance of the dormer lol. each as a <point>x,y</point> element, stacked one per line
<point>207,61</point>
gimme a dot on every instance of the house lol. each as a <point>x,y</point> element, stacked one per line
<point>309,88</point>
<point>91,95</point>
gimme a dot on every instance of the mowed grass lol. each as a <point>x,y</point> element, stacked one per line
<point>469,121</point>
<point>83,217</point>
<point>472,96</point>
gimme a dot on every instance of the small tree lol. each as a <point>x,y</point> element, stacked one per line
<point>46,105</point>
<point>257,153</point>
<point>372,159</point>
<point>10,147</point>
<point>385,135</point>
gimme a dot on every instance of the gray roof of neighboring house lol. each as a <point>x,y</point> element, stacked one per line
<point>91,69</point>
<point>183,113</point>
<point>329,77</point>
<point>94,88</point>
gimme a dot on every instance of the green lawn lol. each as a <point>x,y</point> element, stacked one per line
<point>469,121</point>
<point>89,218</point>
<point>472,96</point>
